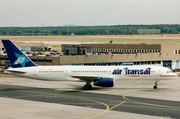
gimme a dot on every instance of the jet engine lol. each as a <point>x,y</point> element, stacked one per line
<point>104,82</point>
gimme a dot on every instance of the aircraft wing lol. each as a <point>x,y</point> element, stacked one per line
<point>86,77</point>
<point>92,78</point>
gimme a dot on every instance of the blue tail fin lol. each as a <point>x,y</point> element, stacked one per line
<point>16,57</point>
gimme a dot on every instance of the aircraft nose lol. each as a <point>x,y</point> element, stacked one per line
<point>174,75</point>
<point>169,75</point>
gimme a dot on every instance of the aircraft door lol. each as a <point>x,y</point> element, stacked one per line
<point>66,73</point>
<point>34,72</point>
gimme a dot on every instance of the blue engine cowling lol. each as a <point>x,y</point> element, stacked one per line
<point>104,82</point>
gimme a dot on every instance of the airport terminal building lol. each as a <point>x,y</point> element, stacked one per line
<point>167,55</point>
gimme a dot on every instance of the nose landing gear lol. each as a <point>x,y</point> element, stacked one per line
<point>156,84</point>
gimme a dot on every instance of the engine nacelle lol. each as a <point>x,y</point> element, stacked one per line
<point>104,82</point>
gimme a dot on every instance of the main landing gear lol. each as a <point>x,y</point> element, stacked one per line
<point>155,86</point>
<point>87,86</point>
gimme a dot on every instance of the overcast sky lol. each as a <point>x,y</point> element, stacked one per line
<point>88,12</point>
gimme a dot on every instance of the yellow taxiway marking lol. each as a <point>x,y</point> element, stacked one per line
<point>117,105</point>
<point>106,105</point>
<point>154,105</point>
<point>75,97</point>
<point>106,110</point>
<point>83,98</point>
<point>149,104</point>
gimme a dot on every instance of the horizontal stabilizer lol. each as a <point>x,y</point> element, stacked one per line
<point>14,71</point>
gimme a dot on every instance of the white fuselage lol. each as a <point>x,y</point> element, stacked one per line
<point>77,73</point>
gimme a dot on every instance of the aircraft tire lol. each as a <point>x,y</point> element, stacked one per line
<point>87,87</point>
<point>155,87</point>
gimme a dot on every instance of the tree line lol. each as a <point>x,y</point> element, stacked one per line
<point>86,30</point>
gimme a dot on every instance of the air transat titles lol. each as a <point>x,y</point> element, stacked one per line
<point>128,71</point>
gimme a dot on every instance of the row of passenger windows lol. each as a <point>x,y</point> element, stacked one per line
<point>124,50</point>
<point>51,71</point>
<point>76,71</point>
<point>71,71</point>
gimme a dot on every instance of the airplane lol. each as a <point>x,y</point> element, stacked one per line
<point>103,76</point>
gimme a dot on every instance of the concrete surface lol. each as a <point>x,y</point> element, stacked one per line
<point>20,108</point>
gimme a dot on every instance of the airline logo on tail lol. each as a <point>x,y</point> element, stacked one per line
<point>17,58</point>
<point>21,59</point>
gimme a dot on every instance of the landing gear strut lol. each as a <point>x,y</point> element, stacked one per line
<point>87,86</point>
<point>155,86</point>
